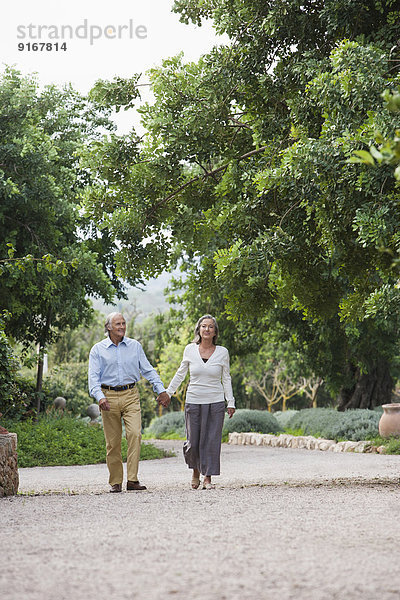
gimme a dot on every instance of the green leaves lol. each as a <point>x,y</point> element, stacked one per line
<point>47,262</point>
<point>46,268</point>
<point>362,156</point>
<point>116,94</point>
<point>256,171</point>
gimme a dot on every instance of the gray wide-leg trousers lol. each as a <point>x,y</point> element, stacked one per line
<point>202,449</point>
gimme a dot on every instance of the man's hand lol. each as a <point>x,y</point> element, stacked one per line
<point>231,412</point>
<point>104,404</point>
<point>163,399</point>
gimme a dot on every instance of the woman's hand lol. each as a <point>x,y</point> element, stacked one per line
<point>231,412</point>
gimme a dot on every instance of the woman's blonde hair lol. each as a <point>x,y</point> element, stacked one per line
<point>197,336</point>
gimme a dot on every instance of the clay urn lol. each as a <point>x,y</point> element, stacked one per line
<point>389,423</point>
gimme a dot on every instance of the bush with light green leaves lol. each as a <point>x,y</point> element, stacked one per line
<point>246,420</point>
<point>355,425</point>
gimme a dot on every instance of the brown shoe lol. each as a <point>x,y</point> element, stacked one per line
<point>117,487</point>
<point>135,485</point>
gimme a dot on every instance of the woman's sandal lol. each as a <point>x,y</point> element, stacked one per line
<point>208,486</point>
<point>195,482</point>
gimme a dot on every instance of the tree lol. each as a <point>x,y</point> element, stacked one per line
<point>51,257</point>
<point>244,174</point>
<point>274,385</point>
<point>8,367</point>
<point>170,359</point>
<point>310,389</point>
<point>73,345</point>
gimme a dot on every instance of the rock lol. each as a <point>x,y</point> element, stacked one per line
<point>309,442</point>
<point>339,447</point>
<point>282,441</point>
<point>325,444</point>
<point>361,446</point>
<point>346,446</point>
<point>266,439</point>
<point>233,438</point>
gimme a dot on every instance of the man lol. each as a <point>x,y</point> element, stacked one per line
<point>115,366</point>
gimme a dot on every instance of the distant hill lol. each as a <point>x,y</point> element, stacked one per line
<point>143,303</point>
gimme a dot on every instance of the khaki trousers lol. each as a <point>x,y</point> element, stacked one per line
<point>125,404</point>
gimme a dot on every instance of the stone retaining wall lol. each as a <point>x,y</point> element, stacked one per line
<point>308,442</point>
<point>9,479</point>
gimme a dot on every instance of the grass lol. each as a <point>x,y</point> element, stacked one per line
<point>64,441</point>
<point>169,435</point>
<point>298,431</point>
<point>391,444</point>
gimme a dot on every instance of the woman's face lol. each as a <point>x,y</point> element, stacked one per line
<point>207,329</point>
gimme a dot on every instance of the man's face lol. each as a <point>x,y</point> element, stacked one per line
<point>118,327</point>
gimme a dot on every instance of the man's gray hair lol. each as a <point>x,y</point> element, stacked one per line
<point>108,323</point>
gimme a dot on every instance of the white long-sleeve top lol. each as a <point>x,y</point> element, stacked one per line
<point>209,382</point>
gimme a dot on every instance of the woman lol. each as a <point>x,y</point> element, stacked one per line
<point>209,386</point>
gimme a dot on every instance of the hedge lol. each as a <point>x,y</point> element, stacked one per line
<point>260,421</point>
<point>355,425</point>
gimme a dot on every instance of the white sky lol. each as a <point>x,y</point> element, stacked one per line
<point>83,63</point>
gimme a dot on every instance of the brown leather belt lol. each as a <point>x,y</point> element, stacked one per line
<point>118,388</point>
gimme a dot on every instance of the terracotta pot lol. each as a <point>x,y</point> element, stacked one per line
<point>389,423</point>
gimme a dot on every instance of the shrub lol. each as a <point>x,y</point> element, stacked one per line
<point>355,425</point>
<point>71,382</point>
<point>8,365</point>
<point>170,423</point>
<point>22,402</point>
<point>63,440</point>
<point>173,423</point>
<point>12,400</point>
<point>148,404</point>
<point>283,417</point>
<point>260,421</point>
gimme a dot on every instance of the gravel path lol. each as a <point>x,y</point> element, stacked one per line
<point>282,523</point>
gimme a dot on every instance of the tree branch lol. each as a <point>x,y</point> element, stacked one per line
<point>166,199</point>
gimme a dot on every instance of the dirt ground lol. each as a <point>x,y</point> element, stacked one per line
<point>282,523</point>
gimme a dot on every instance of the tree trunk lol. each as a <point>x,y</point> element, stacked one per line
<point>39,380</point>
<point>39,377</point>
<point>369,389</point>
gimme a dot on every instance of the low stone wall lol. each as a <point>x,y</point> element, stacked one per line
<point>307,442</point>
<point>9,479</point>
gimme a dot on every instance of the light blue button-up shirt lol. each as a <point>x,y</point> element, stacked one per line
<point>115,365</point>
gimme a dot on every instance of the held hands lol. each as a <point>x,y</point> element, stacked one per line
<point>104,404</point>
<point>163,399</point>
<point>231,412</point>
